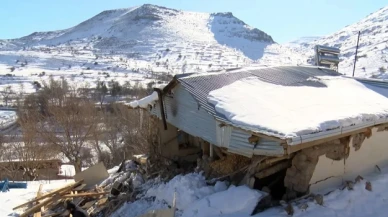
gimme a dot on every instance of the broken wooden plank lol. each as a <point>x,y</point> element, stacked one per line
<point>38,195</point>
<point>38,206</point>
<point>272,170</point>
<point>59,190</point>
<point>102,201</point>
<point>80,188</point>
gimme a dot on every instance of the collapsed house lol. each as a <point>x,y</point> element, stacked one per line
<point>289,130</point>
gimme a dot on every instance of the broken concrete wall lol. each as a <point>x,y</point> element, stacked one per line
<point>365,154</point>
<point>298,176</point>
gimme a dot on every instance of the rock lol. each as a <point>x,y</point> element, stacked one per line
<point>358,179</point>
<point>349,185</point>
<point>289,209</point>
<point>318,199</point>
<point>368,186</point>
<point>303,206</point>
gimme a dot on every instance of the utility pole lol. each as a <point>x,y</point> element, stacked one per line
<point>355,57</point>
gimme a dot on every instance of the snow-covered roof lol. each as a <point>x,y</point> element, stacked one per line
<point>288,101</point>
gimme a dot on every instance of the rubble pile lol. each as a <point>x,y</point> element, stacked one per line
<point>52,203</point>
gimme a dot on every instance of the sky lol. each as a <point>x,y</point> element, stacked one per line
<point>284,20</point>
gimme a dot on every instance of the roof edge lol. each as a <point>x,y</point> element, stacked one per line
<point>310,138</point>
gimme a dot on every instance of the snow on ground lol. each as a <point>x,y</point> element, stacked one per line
<point>195,199</point>
<point>7,118</point>
<point>192,194</point>
<point>298,110</point>
<point>16,197</point>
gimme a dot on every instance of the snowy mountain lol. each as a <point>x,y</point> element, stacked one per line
<point>141,44</point>
<point>148,30</point>
<point>372,54</point>
<point>135,44</point>
<point>373,45</point>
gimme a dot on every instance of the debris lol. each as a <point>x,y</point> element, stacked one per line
<point>91,199</point>
<point>289,209</point>
<point>349,185</point>
<point>93,175</point>
<point>359,179</point>
<point>303,206</point>
<point>229,164</point>
<point>378,168</point>
<point>368,186</point>
<point>318,199</point>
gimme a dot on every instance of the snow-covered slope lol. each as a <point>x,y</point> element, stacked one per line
<point>372,53</point>
<point>135,44</point>
<point>373,45</point>
<point>148,30</point>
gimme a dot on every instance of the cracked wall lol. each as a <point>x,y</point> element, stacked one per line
<point>366,150</point>
<point>299,175</point>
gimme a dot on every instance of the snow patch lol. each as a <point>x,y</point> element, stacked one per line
<point>145,102</point>
<point>189,188</point>
<point>239,201</point>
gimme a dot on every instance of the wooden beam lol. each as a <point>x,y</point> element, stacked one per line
<point>272,170</point>
<point>38,206</point>
<point>65,189</point>
<point>295,148</point>
<point>38,195</point>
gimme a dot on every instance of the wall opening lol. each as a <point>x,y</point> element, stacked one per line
<point>274,182</point>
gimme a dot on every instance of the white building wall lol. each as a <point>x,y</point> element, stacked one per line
<point>331,174</point>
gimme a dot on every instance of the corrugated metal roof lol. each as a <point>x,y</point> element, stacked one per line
<point>200,85</point>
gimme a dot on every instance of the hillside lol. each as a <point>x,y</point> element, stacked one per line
<point>373,45</point>
<point>138,44</point>
<point>148,43</point>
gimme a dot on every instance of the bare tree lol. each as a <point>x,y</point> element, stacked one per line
<point>70,126</point>
<point>100,92</point>
<point>31,149</point>
<point>135,125</point>
<point>7,94</point>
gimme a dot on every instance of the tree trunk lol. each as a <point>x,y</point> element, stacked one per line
<point>77,166</point>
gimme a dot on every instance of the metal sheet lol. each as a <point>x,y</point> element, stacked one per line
<point>183,112</point>
<point>223,134</point>
<point>239,144</point>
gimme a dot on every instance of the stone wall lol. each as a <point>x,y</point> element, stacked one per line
<point>298,176</point>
